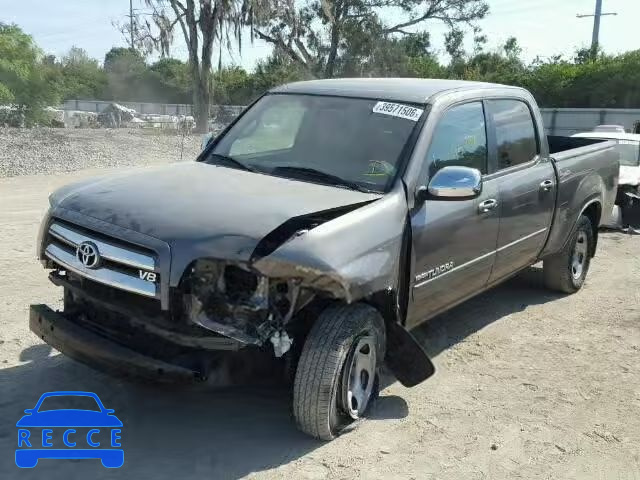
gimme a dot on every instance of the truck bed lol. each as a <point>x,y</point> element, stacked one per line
<point>586,168</point>
<point>563,147</point>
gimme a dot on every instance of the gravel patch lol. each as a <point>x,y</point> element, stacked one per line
<point>49,150</point>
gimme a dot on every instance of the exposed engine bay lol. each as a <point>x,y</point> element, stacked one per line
<point>235,301</point>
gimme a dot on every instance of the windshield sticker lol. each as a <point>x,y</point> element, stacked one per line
<point>398,110</point>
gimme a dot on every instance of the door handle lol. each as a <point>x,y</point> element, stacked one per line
<point>487,205</point>
<point>546,185</point>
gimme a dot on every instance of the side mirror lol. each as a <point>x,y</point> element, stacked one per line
<point>29,411</point>
<point>453,183</point>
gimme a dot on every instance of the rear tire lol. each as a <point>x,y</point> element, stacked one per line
<point>566,270</point>
<point>337,374</point>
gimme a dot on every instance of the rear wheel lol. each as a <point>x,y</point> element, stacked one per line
<point>336,377</point>
<point>566,271</point>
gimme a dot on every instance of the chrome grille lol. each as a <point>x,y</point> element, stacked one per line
<point>121,265</point>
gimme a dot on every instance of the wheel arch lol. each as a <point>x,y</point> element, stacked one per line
<point>565,223</point>
<point>405,356</point>
<point>393,302</point>
<point>593,211</point>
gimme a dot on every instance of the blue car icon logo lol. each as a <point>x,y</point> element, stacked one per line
<point>87,431</point>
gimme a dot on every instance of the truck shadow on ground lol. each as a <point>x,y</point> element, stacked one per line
<point>193,433</point>
<point>453,326</point>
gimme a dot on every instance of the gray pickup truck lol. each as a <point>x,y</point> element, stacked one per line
<point>317,230</point>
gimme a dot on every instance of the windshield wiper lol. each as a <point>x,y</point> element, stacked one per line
<point>230,160</point>
<point>323,177</point>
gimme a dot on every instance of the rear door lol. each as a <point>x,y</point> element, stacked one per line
<point>454,241</point>
<point>526,181</point>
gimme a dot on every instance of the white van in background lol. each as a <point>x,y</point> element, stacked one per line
<point>628,198</point>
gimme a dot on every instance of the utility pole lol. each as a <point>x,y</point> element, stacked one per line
<point>131,21</point>
<point>595,37</point>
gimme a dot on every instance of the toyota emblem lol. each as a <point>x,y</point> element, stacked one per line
<point>88,254</point>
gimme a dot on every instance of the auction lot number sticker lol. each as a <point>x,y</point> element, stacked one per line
<point>398,110</point>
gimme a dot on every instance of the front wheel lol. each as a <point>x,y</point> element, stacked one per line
<point>337,372</point>
<point>566,271</point>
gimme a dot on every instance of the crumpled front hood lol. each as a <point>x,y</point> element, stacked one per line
<point>629,175</point>
<point>208,210</point>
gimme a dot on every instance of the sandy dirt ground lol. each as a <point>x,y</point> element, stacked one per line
<point>530,384</point>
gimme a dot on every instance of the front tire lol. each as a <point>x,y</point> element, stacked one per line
<point>337,372</point>
<point>566,271</point>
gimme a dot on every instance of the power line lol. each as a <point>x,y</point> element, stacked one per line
<point>595,37</point>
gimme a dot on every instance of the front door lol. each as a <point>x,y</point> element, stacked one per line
<point>454,241</point>
<point>527,185</point>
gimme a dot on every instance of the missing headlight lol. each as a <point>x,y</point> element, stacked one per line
<point>235,301</point>
<point>240,284</point>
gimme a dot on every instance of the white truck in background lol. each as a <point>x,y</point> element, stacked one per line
<point>627,207</point>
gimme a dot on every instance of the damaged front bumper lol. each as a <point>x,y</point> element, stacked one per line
<point>99,352</point>
<point>110,331</point>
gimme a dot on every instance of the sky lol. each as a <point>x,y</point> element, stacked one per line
<point>543,27</point>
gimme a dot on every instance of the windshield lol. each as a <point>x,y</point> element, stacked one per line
<point>629,153</point>
<point>334,140</point>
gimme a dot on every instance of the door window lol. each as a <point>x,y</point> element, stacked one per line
<point>460,139</point>
<point>516,139</point>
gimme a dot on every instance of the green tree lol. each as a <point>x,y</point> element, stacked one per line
<point>123,60</point>
<point>316,33</point>
<point>276,70</point>
<point>24,78</point>
<point>607,82</point>
<point>80,77</point>
<point>512,49</point>
<point>125,69</point>
<point>406,56</point>
<point>549,80</point>
<point>232,86</point>
<point>173,78</point>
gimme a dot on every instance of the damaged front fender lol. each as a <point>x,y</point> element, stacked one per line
<point>349,257</point>
<point>348,253</point>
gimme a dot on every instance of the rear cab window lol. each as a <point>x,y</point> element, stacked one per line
<point>516,137</point>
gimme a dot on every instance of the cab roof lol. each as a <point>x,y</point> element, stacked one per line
<point>411,90</point>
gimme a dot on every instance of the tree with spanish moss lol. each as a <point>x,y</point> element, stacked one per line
<point>203,24</point>
<point>316,34</point>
